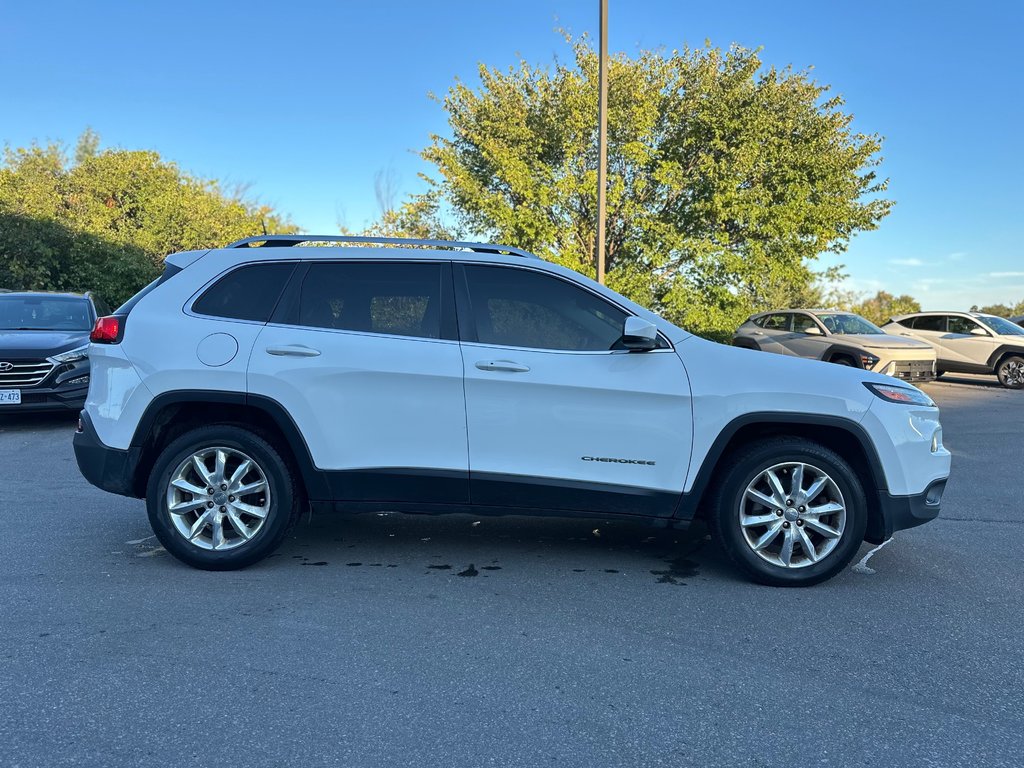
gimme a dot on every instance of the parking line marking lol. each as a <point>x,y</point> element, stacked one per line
<point>862,566</point>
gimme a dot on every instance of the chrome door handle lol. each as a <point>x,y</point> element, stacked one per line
<point>293,350</point>
<point>757,333</point>
<point>502,365</point>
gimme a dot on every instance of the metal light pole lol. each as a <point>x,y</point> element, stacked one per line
<point>602,136</point>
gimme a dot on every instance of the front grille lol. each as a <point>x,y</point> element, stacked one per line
<point>913,370</point>
<point>24,373</point>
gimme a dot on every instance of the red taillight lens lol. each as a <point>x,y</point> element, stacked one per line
<point>106,330</point>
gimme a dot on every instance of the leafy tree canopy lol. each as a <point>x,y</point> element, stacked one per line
<point>726,178</point>
<point>883,306</point>
<point>1003,310</point>
<point>106,220</point>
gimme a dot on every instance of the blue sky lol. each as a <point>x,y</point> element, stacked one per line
<point>307,101</point>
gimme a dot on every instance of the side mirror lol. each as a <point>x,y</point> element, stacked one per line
<point>978,332</point>
<point>813,330</point>
<point>639,335</point>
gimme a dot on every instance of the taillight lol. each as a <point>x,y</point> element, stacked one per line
<point>106,331</point>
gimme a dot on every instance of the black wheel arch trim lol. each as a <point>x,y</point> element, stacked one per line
<point>690,500</point>
<point>1002,351</point>
<point>842,349</point>
<point>314,479</point>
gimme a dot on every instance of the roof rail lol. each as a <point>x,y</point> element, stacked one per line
<point>287,241</point>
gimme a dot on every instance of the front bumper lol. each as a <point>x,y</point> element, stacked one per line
<point>107,468</point>
<point>901,512</point>
<point>49,399</point>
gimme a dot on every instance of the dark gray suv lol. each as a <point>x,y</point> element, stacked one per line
<point>44,345</point>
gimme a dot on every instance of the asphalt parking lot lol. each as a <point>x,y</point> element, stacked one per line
<point>458,641</point>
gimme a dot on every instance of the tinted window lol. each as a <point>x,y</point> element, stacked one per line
<point>928,323</point>
<point>247,293</point>
<point>1001,325</point>
<point>961,324</point>
<point>843,323</point>
<point>776,322</point>
<point>521,308</point>
<point>398,299</point>
<point>44,313</point>
<point>802,322</point>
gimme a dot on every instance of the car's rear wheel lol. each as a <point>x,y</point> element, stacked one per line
<point>221,498</point>
<point>789,512</point>
<point>1011,372</point>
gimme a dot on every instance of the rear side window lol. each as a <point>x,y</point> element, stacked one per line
<point>929,323</point>
<point>247,293</point>
<point>521,308</point>
<point>776,322</point>
<point>399,299</point>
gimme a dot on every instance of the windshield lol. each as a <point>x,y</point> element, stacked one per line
<point>843,323</point>
<point>44,313</point>
<point>1000,325</point>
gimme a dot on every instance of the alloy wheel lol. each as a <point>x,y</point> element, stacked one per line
<point>218,498</point>
<point>792,514</point>
<point>1013,373</point>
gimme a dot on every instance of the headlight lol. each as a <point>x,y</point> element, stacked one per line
<point>868,360</point>
<point>72,355</point>
<point>903,395</point>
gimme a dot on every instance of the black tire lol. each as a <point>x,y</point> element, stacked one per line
<point>1011,372</point>
<point>740,468</point>
<point>843,360</point>
<point>285,501</point>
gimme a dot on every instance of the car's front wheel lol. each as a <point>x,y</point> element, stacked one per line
<point>1011,372</point>
<point>789,512</point>
<point>221,498</point>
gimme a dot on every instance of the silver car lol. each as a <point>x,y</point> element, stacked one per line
<point>969,342</point>
<point>837,337</point>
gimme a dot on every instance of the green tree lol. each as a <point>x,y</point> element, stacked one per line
<point>1003,310</point>
<point>883,306</point>
<point>106,221</point>
<point>726,178</point>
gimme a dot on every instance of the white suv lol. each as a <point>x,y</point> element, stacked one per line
<point>968,342</point>
<point>249,383</point>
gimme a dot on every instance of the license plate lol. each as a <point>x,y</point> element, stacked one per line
<point>10,397</point>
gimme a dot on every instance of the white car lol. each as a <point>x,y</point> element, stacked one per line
<point>837,337</point>
<point>249,383</point>
<point>968,342</point>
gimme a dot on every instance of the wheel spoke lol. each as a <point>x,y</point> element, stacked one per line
<point>829,508</point>
<point>219,466</point>
<point>761,499</point>
<point>807,545</point>
<point>217,530</point>
<point>240,472</point>
<point>249,509</point>
<point>186,506</point>
<point>786,553</point>
<point>204,473</point>
<point>819,527</point>
<point>752,521</point>
<point>769,536</point>
<point>796,486</point>
<point>776,486</point>
<point>238,525</point>
<point>184,485</point>
<point>201,523</point>
<point>816,488</point>
<point>245,490</point>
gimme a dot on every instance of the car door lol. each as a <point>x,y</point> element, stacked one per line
<point>968,341</point>
<point>803,342</point>
<point>559,416</point>
<point>364,357</point>
<point>929,329</point>
<point>774,331</point>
